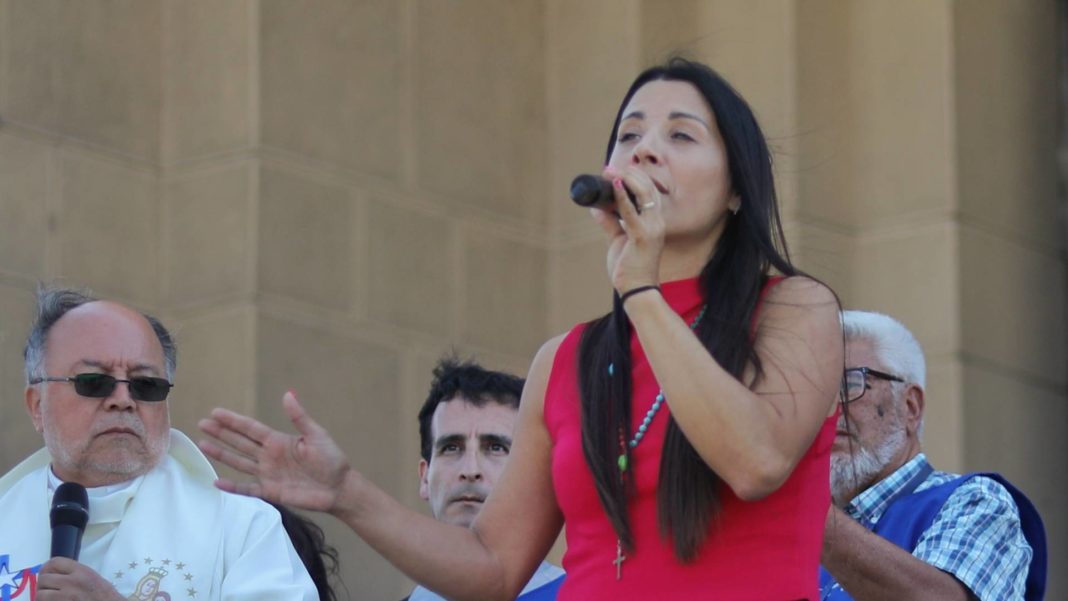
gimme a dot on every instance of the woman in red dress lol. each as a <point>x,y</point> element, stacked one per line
<point>683,438</point>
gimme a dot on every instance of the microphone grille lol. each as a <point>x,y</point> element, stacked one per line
<point>71,492</point>
<point>587,190</point>
<point>70,505</point>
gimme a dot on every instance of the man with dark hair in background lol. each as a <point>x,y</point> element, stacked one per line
<point>465,433</point>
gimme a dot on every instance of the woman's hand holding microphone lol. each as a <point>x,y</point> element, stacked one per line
<point>635,231</point>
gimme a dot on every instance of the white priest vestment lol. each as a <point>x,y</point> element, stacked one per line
<point>169,535</point>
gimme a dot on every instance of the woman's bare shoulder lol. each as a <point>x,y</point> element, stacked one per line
<point>802,290</point>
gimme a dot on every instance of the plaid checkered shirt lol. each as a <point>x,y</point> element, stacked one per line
<point>976,536</point>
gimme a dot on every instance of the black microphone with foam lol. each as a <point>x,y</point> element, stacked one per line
<point>69,515</point>
<point>595,191</point>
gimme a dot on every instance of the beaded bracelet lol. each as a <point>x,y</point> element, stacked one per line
<point>629,293</point>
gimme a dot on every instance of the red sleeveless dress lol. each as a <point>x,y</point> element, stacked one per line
<point>766,550</point>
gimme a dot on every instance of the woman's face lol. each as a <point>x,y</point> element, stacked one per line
<point>668,132</point>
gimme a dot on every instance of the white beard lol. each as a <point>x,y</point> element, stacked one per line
<point>123,459</point>
<point>858,472</point>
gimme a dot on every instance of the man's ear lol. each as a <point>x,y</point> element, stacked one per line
<point>33,407</point>
<point>424,486</point>
<point>914,406</point>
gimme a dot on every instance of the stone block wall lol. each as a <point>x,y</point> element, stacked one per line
<point>328,195</point>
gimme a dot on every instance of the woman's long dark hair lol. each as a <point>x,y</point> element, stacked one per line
<point>730,283</point>
<point>319,558</point>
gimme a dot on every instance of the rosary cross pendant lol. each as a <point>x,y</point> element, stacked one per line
<point>620,558</point>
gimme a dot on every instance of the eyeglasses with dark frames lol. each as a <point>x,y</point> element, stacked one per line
<point>100,386</point>
<point>855,381</point>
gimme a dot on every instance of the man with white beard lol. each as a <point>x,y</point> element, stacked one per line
<point>899,529</point>
<point>98,375</point>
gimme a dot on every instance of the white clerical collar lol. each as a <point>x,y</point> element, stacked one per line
<point>95,492</point>
<point>107,504</point>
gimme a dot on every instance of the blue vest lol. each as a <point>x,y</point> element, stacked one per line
<point>545,592</point>
<point>910,514</point>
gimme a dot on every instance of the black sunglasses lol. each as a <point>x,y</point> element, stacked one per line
<point>142,388</point>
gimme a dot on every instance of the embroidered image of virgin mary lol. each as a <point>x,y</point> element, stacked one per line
<point>147,588</point>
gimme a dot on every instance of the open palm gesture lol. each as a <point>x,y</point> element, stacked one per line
<point>306,470</point>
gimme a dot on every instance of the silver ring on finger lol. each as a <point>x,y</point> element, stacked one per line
<point>649,205</point>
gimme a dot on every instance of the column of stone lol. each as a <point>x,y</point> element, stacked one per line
<point>331,94</point>
<point>592,54</point>
<point>209,202</point>
<point>400,215</point>
<point>80,91</point>
<point>929,150</point>
<point>878,192</point>
<point>1013,294</point>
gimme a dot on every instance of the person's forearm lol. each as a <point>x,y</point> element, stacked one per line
<point>703,397</point>
<point>413,542</point>
<point>752,438</point>
<point>871,568</point>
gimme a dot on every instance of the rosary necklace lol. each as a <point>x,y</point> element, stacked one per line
<point>621,461</point>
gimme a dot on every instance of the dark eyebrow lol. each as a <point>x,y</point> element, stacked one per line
<point>489,439</point>
<point>448,439</point>
<point>682,115</point>
<point>639,115</point>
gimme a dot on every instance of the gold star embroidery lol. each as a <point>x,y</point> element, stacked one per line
<point>192,592</point>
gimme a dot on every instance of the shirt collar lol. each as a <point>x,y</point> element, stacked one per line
<point>97,491</point>
<point>107,504</point>
<point>870,504</point>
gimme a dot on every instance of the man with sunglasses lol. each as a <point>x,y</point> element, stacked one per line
<point>98,375</point>
<point>899,529</point>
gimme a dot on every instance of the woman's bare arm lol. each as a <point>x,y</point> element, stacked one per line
<point>752,438</point>
<point>492,560</point>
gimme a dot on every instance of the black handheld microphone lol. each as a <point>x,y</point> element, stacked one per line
<point>595,191</point>
<point>69,515</point>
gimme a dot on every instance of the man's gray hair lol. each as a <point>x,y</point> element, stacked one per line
<point>54,303</point>
<point>894,345</point>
